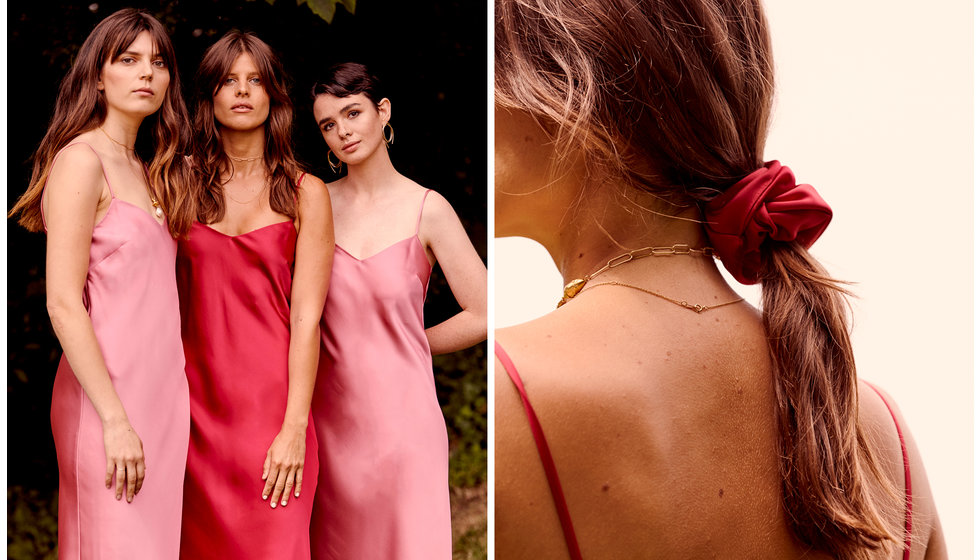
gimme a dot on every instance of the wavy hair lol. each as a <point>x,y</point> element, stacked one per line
<point>674,98</point>
<point>81,107</point>
<point>211,160</point>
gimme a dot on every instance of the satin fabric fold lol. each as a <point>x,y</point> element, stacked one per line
<point>234,302</point>
<point>131,297</point>
<point>384,458</point>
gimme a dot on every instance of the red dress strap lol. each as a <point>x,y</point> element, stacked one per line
<point>908,476</point>
<point>545,453</point>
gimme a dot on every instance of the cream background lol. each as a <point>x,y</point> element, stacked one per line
<point>874,107</point>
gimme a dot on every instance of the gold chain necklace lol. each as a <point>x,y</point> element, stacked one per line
<point>233,158</point>
<point>695,307</point>
<point>117,142</point>
<point>575,286</point>
<point>153,200</point>
<point>251,200</point>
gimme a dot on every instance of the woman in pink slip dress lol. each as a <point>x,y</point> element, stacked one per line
<point>383,490</point>
<point>119,409</point>
<point>253,276</point>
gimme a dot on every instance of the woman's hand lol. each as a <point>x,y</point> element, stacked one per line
<point>283,469</point>
<point>124,458</point>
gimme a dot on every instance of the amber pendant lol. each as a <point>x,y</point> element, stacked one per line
<point>571,290</point>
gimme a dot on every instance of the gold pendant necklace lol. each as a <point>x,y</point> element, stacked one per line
<point>575,286</point>
<point>157,210</point>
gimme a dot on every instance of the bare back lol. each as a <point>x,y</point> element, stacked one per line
<point>662,428</point>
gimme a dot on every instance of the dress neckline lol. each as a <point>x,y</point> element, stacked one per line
<point>206,226</point>
<point>396,243</point>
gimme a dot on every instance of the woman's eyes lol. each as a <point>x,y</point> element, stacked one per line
<point>253,81</point>
<point>129,60</point>
<point>327,126</point>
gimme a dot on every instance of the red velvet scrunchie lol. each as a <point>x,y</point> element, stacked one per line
<point>766,203</point>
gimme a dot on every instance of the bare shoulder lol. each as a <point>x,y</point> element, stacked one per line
<point>78,167</point>
<point>436,203</point>
<point>311,188</point>
<point>892,442</point>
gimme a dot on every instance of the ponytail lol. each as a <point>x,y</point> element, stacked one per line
<point>826,465</point>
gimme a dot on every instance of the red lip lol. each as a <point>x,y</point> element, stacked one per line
<point>350,146</point>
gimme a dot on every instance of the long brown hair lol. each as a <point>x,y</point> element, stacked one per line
<point>211,160</point>
<point>674,98</point>
<point>81,107</point>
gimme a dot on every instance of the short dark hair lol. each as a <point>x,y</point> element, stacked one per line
<point>346,79</point>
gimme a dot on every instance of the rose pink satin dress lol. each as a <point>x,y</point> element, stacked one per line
<point>131,298</point>
<point>383,491</point>
<point>234,303</point>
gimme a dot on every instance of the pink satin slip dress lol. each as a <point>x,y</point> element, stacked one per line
<point>234,303</point>
<point>384,460</point>
<point>131,298</point>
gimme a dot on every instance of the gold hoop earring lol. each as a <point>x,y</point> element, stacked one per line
<point>390,138</point>
<point>334,167</point>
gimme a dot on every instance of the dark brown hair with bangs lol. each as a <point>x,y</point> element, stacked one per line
<point>211,161</point>
<point>673,97</point>
<point>81,107</point>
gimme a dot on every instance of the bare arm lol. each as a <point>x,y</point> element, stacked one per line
<point>465,272</point>
<point>75,197</point>
<point>283,470</point>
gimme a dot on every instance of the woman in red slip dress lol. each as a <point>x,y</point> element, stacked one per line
<point>383,490</point>
<point>656,414</point>
<point>253,276</point>
<point>119,409</point>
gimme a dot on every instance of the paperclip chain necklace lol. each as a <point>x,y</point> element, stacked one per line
<point>576,286</point>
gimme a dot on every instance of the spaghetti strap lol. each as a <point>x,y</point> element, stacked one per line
<point>418,223</point>
<point>908,476</point>
<point>298,182</point>
<point>545,453</point>
<point>55,159</point>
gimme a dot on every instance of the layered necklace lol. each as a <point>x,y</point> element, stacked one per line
<point>578,285</point>
<point>259,192</point>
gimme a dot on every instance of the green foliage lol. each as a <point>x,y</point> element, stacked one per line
<point>472,545</point>
<point>324,8</point>
<point>462,388</point>
<point>32,524</point>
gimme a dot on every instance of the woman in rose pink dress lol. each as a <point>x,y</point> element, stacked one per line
<point>119,410</point>
<point>383,490</point>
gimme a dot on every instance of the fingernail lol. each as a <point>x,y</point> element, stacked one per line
<point>296,494</point>
<point>284,502</point>
<point>273,505</point>
<point>265,497</point>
